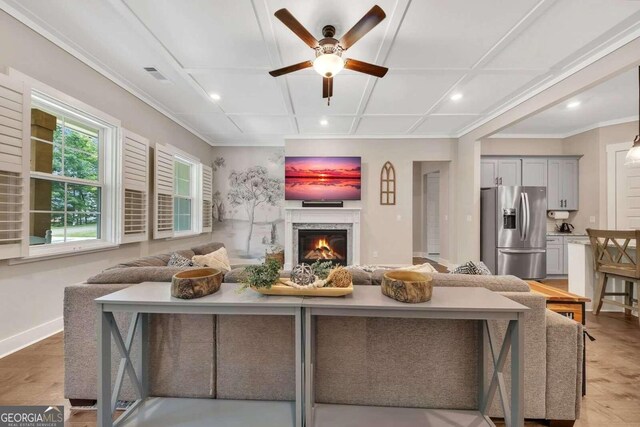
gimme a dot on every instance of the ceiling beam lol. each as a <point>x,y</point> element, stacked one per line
<point>141,28</point>
<point>534,13</point>
<point>265,22</point>
<point>574,82</point>
<point>395,22</point>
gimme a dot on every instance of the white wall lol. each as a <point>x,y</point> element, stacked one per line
<point>592,145</point>
<point>386,230</point>
<point>31,294</point>
<point>522,146</point>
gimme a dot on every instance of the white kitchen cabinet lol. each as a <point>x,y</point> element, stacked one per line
<point>500,171</point>
<point>562,184</point>
<point>509,172</point>
<point>555,255</point>
<point>488,173</point>
<point>534,171</point>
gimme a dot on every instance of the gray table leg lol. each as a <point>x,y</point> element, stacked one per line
<point>142,333</point>
<point>104,368</point>
<point>308,367</point>
<point>299,368</point>
<point>483,353</point>
<point>517,372</point>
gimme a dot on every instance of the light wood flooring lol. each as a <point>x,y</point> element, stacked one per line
<point>34,375</point>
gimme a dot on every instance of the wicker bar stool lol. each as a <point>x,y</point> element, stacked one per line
<point>615,255</point>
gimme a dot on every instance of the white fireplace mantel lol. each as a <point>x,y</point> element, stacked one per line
<point>299,215</point>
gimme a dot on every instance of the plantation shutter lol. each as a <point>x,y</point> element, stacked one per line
<point>163,189</point>
<point>15,117</point>
<point>135,171</point>
<point>207,198</point>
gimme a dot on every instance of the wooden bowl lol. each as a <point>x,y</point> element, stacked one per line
<point>407,286</point>
<point>196,283</point>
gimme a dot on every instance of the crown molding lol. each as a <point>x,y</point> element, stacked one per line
<point>565,134</point>
<point>96,66</point>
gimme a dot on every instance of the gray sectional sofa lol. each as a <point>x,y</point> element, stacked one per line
<point>252,357</point>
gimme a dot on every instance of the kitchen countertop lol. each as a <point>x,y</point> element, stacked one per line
<point>555,233</point>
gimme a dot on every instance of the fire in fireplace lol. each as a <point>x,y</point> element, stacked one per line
<point>323,245</point>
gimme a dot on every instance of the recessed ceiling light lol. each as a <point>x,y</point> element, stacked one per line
<point>215,96</point>
<point>456,96</point>
<point>573,104</point>
<point>324,122</point>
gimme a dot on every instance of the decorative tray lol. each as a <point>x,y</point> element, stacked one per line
<point>282,289</point>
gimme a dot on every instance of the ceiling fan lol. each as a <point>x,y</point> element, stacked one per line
<point>329,60</point>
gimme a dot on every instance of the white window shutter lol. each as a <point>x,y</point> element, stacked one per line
<point>135,183</point>
<point>15,118</point>
<point>207,199</point>
<point>163,192</point>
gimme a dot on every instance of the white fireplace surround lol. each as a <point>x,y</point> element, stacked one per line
<point>296,217</point>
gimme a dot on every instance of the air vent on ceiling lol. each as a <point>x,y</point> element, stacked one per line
<point>156,74</point>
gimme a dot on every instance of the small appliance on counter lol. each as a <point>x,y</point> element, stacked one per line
<point>565,227</point>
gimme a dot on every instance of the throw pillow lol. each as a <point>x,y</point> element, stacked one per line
<point>482,268</point>
<point>420,268</point>
<point>466,268</point>
<point>177,260</point>
<point>216,259</point>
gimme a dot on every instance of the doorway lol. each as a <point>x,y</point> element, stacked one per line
<point>431,214</point>
<point>623,189</point>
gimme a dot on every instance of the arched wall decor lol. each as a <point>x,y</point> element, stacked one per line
<point>388,184</point>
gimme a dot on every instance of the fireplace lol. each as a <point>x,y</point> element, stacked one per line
<point>322,245</point>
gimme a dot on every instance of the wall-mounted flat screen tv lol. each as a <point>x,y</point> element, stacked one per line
<point>322,178</point>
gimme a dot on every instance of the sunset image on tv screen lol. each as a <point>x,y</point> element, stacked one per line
<point>322,178</point>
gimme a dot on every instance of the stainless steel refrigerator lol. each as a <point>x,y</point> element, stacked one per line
<point>513,231</point>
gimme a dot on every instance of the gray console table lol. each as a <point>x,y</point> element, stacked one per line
<point>447,303</point>
<point>146,298</point>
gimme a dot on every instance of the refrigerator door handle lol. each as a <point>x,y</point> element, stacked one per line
<point>527,216</point>
<point>523,218</point>
<point>522,251</point>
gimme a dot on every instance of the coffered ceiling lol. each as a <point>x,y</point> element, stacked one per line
<point>493,52</point>
<point>612,102</point>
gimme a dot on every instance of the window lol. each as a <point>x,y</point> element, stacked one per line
<point>183,196</point>
<point>72,188</point>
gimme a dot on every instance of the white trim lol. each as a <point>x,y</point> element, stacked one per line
<point>62,250</point>
<point>567,134</point>
<point>49,94</point>
<point>527,136</point>
<point>22,17</point>
<point>612,149</point>
<point>578,66</point>
<point>30,336</point>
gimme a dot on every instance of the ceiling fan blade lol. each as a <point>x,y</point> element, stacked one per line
<point>294,25</point>
<point>365,67</point>
<point>362,27</point>
<point>291,68</point>
<point>327,87</point>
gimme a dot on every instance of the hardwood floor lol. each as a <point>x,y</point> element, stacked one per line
<point>34,376</point>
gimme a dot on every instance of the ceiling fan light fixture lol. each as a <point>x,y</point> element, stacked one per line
<point>328,64</point>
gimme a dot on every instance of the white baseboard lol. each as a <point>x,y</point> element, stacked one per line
<point>30,336</point>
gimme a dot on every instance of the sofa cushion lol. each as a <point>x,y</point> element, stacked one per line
<point>207,248</point>
<point>360,277</point>
<point>493,283</point>
<point>160,260</point>
<point>136,275</point>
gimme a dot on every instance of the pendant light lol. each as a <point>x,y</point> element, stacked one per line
<point>633,156</point>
